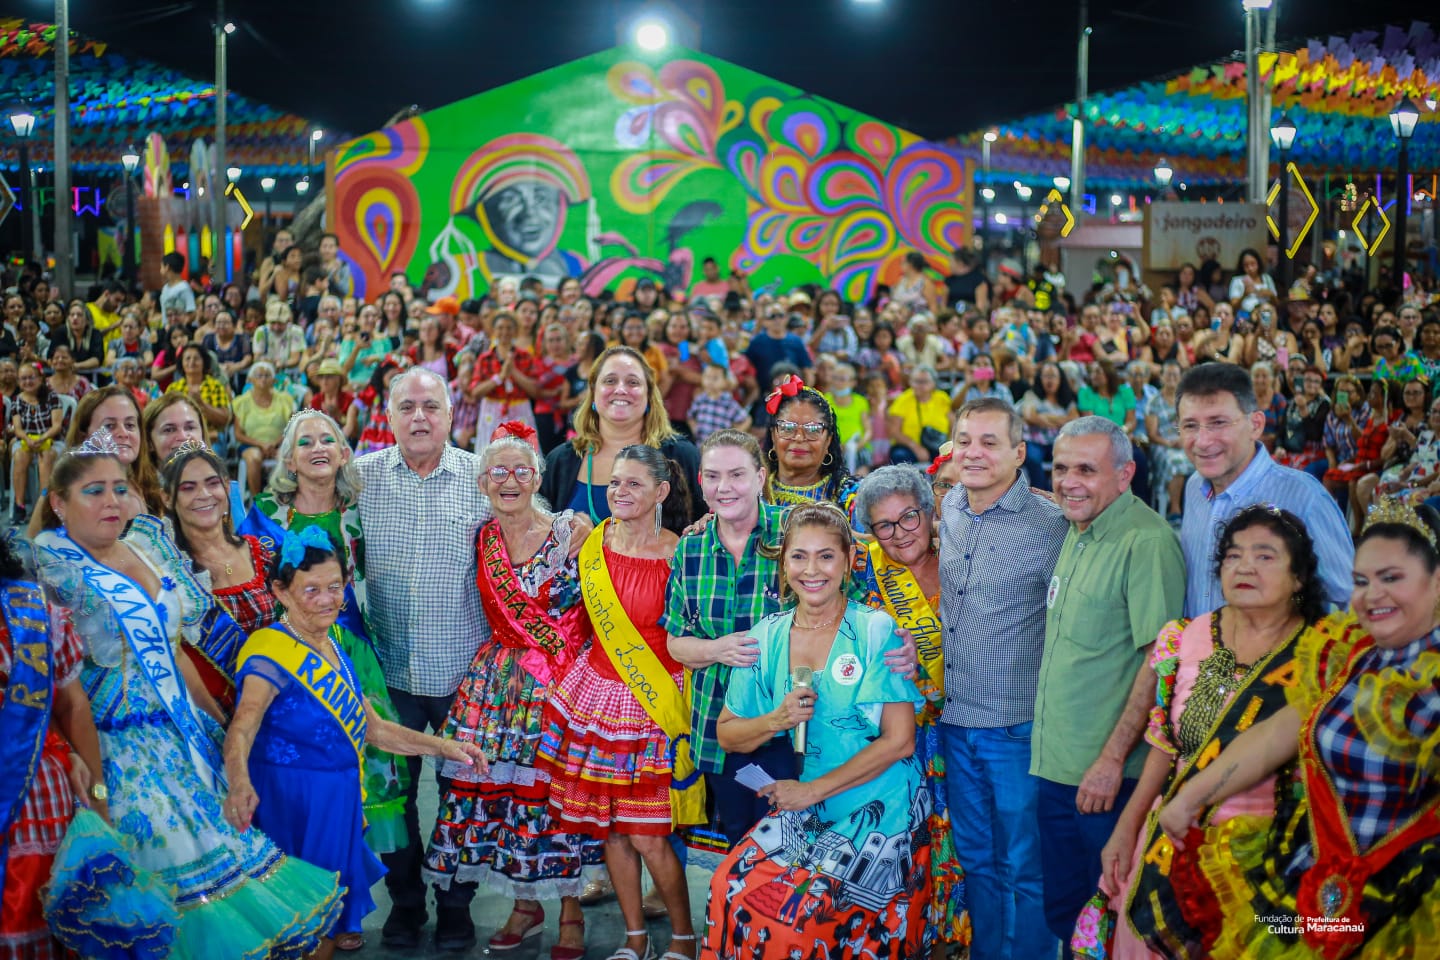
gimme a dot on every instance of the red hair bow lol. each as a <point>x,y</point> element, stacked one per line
<point>947,453</point>
<point>789,387</point>
<point>518,430</point>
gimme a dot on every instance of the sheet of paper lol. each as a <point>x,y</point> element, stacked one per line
<point>753,777</point>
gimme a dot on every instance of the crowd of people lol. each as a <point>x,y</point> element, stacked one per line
<point>985,615</point>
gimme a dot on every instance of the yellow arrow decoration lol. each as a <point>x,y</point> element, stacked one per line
<point>1292,171</point>
<point>1055,196</point>
<point>231,190</point>
<point>1371,247</point>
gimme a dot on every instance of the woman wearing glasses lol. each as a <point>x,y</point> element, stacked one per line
<point>622,405</point>
<point>902,577</point>
<point>804,460</point>
<point>499,829</point>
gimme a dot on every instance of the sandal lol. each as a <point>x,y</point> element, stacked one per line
<point>561,952</point>
<point>503,940</point>
<point>625,953</point>
<point>348,942</point>
<point>671,954</point>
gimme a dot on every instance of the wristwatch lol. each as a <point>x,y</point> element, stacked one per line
<point>98,791</point>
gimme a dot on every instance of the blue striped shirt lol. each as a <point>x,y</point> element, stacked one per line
<point>1263,481</point>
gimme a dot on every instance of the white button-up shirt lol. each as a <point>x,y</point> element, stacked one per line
<point>420,567</point>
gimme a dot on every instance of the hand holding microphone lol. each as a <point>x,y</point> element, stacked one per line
<point>799,704</point>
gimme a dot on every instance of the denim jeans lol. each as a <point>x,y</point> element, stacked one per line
<point>403,881</point>
<point>1035,456</point>
<point>1070,845</point>
<point>992,799</point>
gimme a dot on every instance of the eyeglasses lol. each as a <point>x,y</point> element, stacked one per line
<point>1191,428</point>
<point>908,521</point>
<point>942,487</point>
<point>499,475</point>
<point>790,430</point>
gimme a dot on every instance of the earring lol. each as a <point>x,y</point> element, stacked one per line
<point>657,519</point>
<point>829,459</point>
<point>291,475</point>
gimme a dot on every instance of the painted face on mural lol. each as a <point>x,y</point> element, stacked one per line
<point>525,216</point>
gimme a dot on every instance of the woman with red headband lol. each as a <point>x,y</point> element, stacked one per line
<point>499,829</point>
<point>804,460</point>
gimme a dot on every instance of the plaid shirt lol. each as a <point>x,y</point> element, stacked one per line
<point>1339,435</point>
<point>212,391</point>
<point>707,598</point>
<point>714,413</point>
<point>420,567</point>
<point>1376,770</point>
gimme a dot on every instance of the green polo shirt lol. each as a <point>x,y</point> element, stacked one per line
<point>1115,585</point>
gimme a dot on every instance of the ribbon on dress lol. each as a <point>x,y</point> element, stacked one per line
<point>520,621</point>
<point>903,599</point>
<point>335,688</point>
<point>29,696</point>
<point>142,622</point>
<point>640,669</point>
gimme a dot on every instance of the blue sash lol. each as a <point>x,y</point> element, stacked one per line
<point>269,532</point>
<point>143,626</point>
<point>25,714</point>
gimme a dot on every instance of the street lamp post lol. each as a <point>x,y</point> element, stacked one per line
<point>267,184</point>
<point>1282,134</point>
<point>1259,37</point>
<point>1402,120</point>
<point>64,216</point>
<point>987,193</point>
<point>130,160</point>
<point>22,122</point>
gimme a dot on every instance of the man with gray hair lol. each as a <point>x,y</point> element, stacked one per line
<point>420,509</point>
<point>1120,578</point>
<point>998,546</point>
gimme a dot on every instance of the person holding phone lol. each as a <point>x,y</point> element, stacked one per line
<point>980,383</point>
<point>1269,341</point>
<point>1251,286</point>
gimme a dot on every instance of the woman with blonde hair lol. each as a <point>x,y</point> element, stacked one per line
<point>622,405</point>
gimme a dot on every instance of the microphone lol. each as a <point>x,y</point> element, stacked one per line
<point>803,678</point>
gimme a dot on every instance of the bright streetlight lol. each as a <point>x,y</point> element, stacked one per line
<point>651,35</point>
<point>1001,219</point>
<point>130,159</point>
<point>1164,173</point>
<point>302,186</point>
<point>232,173</point>
<point>1062,183</point>
<point>988,193</point>
<point>267,184</point>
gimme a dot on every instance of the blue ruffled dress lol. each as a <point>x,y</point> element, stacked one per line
<point>306,773</point>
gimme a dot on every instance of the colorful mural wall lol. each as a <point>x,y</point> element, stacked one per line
<point>623,165</point>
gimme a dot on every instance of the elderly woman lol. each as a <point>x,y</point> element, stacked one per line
<point>804,459</point>
<point>132,599</point>
<point>616,741</point>
<point>1217,675</point>
<point>261,414</point>
<point>198,381</point>
<point>500,829</point>
<point>902,574</point>
<point>503,381</point>
<point>1356,852</point>
<point>912,413</point>
<point>299,765</point>
<point>131,375</point>
<point>1167,452</point>
<point>843,858</point>
<point>621,405</point>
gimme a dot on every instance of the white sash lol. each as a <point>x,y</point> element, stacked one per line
<point>143,626</point>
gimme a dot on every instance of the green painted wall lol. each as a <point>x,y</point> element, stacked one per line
<point>623,165</point>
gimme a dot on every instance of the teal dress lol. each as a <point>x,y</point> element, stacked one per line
<point>854,869</point>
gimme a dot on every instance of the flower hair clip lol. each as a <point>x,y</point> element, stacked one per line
<point>947,452</point>
<point>789,387</point>
<point>101,443</point>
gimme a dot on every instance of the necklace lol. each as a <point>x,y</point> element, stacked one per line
<point>285,619</point>
<point>820,626</point>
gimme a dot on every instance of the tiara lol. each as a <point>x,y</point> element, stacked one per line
<point>185,449</point>
<point>99,444</point>
<point>1397,511</point>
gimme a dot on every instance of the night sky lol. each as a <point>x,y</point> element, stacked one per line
<point>937,67</point>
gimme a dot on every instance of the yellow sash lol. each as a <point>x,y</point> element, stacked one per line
<point>647,678</point>
<point>906,602</point>
<point>335,689</point>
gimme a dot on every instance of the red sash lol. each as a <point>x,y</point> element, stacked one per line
<point>522,622</point>
<point>1330,891</point>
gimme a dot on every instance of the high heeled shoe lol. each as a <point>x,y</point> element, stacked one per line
<point>505,940</point>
